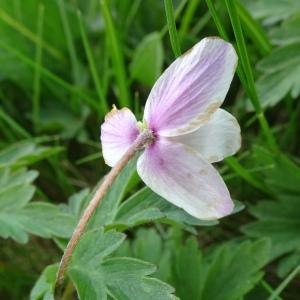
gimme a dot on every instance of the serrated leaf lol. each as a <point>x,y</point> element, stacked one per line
<point>280,221</point>
<point>25,153</point>
<point>287,264</point>
<point>272,11</point>
<point>229,273</point>
<point>281,75</point>
<point>274,167</point>
<point>142,207</point>
<point>187,270</point>
<point>287,33</point>
<point>146,206</point>
<point>148,245</point>
<point>18,217</point>
<point>225,272</point>
<point>235,269</point>
<point>97,276</point>
<point>147,60</point>
<point>281,58</point>
<point>43,288</point>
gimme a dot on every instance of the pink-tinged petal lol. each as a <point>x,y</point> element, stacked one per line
<point>118,132</point>
<point>181,176</point>
<point>192,88</point>
<point>218,138</point>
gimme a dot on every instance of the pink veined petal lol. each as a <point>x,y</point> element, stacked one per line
<point>192,88</point>
<point>118,132</point>
<point>184,178</point>
<point>218,138</point>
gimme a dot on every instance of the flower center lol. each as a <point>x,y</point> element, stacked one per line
<point>145,130</point>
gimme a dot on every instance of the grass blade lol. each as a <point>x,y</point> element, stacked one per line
<point>48,74</point>
<point>245,62</point>
<point>244,69</point>
<point>217,20</point>
<point>269,289</point>
<point>37,70</point>
<point>284,283</point>
<point>69,41</point>
<point>116,56</point>
<point>172,28</point>
<point>88,51</point>
<point>13,124</point>
<point>234,164</point>
<point>30,35</point>
<point>187,17</point>
<point>255,32</point>
<point>177,13</point>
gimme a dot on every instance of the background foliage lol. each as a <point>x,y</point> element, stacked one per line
<point>63,63</point>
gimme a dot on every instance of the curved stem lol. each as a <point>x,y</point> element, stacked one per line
<point>143,139</point>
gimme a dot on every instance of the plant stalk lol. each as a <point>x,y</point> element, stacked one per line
<point>143,139</point>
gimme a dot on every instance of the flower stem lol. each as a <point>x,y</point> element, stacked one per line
<point>143,138</point>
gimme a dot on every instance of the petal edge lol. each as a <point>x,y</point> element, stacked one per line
<point>184,178</point>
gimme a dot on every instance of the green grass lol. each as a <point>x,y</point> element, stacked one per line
<point>174,39</point>
<point>103,106</point>
<point>116,55</point>
<point>37,72</point>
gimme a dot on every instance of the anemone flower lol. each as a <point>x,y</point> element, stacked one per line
<point>188,131</point>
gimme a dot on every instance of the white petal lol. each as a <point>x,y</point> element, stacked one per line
<point>191,89</point>
<point>118,132</point>
<point>218,138</point>
<point>184,178</point>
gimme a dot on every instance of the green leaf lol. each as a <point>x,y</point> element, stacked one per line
<point>97,276</point>
<point>18,217</point>
<point>225,272</point>
<point>274,167</point>
<point>25,153</point>
<point>272,11</point>
<point>43,288</point>
<point>229,273</point>
<point>145,206</point>
<point>18,30</point>
<point>279,221</point>
<point>281,58</point>
<point>287,33</point>
<point>187,270</point>
<point>287,264</point>
<point>147,60</point>
<point>148,245</point>
<point>54,41</point>
<point>57,117</point>
<point>235,269</point>
<point>281,75</point>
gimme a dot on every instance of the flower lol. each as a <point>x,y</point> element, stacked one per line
<point>189,131</point>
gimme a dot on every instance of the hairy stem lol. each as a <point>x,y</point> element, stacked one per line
<point>143,139</point>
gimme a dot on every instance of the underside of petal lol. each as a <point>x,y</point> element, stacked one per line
<point>218,138</point>
<point>184,178</point>
<point>118,132</point>
<point>192,88</point>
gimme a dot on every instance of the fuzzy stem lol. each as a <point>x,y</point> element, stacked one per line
<point>143,139</point>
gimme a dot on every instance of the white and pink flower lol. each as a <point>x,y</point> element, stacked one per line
<point>189,131</point>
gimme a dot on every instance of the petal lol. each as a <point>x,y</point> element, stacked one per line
<point>218,138</point>
<point>184,178</point>
<point>192,88</point>
<point>118,132</point>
